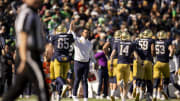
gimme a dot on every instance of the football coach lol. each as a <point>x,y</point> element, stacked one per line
<point>83,54</point>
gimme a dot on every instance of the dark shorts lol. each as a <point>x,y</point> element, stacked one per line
<point>112,79</point>
<point>70,75</point>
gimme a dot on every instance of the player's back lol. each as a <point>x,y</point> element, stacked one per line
<point>124,50</point>
<point>162,51</point>
<point>62,43</point>
<point>145,45</point>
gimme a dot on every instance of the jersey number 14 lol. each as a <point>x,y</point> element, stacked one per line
<point>124,50</point>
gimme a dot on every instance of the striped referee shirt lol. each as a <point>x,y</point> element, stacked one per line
<point>83,49</point>
<point>28,21</point>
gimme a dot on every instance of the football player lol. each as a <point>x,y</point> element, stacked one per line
<point>163,51</point>
<point>137,71</point>
<point>125,48</point>
<point>61,43</point>
<point>147,45</point>
<point>112,75</point>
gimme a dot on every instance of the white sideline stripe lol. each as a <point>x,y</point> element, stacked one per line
<point>36,69</point>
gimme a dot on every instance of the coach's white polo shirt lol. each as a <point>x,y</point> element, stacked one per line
<point>83,49</point>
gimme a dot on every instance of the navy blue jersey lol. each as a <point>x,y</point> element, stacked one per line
<point>145,45</point>
<point>124,50</point>
<point>161,50</point>
<point>62,45</point>
<point>111,41</point>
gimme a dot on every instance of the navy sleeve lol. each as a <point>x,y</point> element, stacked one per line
<point>169,42</point>
<point>71,38</point>
<point>115,46</point>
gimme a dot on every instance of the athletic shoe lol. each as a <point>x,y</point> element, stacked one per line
<point>123,98</point>
<point>27,96</point>
<point>177,93</point>
<point>108,98</point>
<point>97,97</point>
<point>148,97</point>
<point>85,99</point>
<point>130,96</point>
<point>116,97</point>
<point>21,96</point>
<point>159,96</point>
<point>165,95</point>
<point>70,96</point>
<point>75,98</point>
<point>65,88</point>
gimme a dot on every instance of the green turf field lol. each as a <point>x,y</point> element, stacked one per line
<point>90,100</point>
<point>33,98</point>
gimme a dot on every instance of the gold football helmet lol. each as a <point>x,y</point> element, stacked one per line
<point>117,34</point>
<point>140,35</point>
<point>162,35</point>
<point>147,33</point>
<point>61,29</point>
<point>125,36</point>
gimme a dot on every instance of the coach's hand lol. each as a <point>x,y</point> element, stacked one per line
<point>21,67</point>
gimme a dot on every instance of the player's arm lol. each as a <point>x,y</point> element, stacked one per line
<point>137,56</point>
<point>171,51</point>
<point>71,29</point>
<point>22,51</point>
<point>152,49</point>
<point>111,58</point>
<point>105,47</point>
<point>49,51</point>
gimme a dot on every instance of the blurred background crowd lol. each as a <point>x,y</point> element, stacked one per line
<point>102,17</point>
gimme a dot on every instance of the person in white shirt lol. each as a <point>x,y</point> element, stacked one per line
<point>83,54</point>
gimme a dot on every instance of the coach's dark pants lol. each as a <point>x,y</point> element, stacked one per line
<point>103,78</point>
<point>33,72</point>
<point>81,70</point>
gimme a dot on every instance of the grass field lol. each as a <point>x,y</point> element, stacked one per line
<point>33,98</point>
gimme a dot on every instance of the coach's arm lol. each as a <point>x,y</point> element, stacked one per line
<point>22,51</point>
